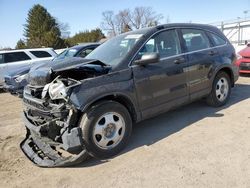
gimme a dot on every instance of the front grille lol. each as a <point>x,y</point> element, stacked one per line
<point>244,66</point>
<point>36,105</point>
<point>37,93</point>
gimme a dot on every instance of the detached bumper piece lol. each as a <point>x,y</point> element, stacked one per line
<point>45,153</point>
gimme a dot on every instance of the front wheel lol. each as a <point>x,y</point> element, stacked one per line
<point>106,129</point>
<point>221,90</point>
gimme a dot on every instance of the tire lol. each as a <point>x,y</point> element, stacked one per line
<point>106,129</point>
<point>221,90</point>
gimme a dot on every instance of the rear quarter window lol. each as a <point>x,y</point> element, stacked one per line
<point>15,56</point>
<point>40,54</point>
<point>218,41</point>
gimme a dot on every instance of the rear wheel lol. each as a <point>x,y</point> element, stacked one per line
<point>106,129</point>
<point>221,90</point>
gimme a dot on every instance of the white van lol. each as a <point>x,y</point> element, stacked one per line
<point>15,59</point>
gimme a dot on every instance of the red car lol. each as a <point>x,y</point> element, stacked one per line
<point>243,60</point>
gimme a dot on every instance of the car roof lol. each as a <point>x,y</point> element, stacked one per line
<point>193,25</point>
<point>175,25</point>
<point>24,50</point>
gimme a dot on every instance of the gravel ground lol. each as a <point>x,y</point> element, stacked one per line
<point>193,146</point>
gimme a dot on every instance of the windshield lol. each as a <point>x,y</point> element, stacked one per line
<point>65,54</point>
<point>114,50</point>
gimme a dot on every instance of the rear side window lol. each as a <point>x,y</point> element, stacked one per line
<point>217,40</point>
<point>15,56</point>
<point>195,39</point>
<point>165,43</point>
<point>40,54</point>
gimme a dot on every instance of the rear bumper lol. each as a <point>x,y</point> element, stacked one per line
<point>236,73</point>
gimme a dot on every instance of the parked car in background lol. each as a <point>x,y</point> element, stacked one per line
<point>243,60</point>
<point>17,79</point>
<point>80,50</point>
<point>16,59</point>
<point>87,106</point>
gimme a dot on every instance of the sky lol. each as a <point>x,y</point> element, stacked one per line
<point>87,14</point>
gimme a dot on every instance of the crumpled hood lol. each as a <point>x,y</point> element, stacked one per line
<point>76,68</point>
<point>72,63</point>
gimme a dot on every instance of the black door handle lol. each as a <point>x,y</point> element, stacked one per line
<point>179,60</point>
<point>212,52</point>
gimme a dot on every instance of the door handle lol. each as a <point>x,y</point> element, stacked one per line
<point>179,60</point>
<point>212,52</point>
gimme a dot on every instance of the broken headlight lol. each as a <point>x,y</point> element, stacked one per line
<point>58,89</point>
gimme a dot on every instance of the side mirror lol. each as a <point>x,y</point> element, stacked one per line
<point>148,59</point>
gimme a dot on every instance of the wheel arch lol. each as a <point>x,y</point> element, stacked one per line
<point>120,98</point>
<point>228,71</point>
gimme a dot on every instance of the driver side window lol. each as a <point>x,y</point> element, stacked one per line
<point>165,43</point>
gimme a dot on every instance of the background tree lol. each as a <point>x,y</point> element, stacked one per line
<point>86,36</point>
<point>126,20</point>
<point>109,23</point>
<point>20,44</point>
<point>64,29</point>
<point>42,29</point>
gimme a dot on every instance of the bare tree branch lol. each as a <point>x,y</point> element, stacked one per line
<point>126,20</point>
<point>108,22</point>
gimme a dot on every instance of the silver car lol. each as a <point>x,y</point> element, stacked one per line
<point>16,59</point>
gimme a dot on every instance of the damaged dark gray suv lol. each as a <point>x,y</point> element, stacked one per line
<point>88,106</point>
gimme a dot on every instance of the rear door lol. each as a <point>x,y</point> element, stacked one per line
<point>161,85</point>
<point>200,58</point>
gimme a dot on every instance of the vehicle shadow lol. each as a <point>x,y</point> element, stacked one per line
<point>153,130</point>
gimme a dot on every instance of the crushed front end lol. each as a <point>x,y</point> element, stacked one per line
<point>54,137</point>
